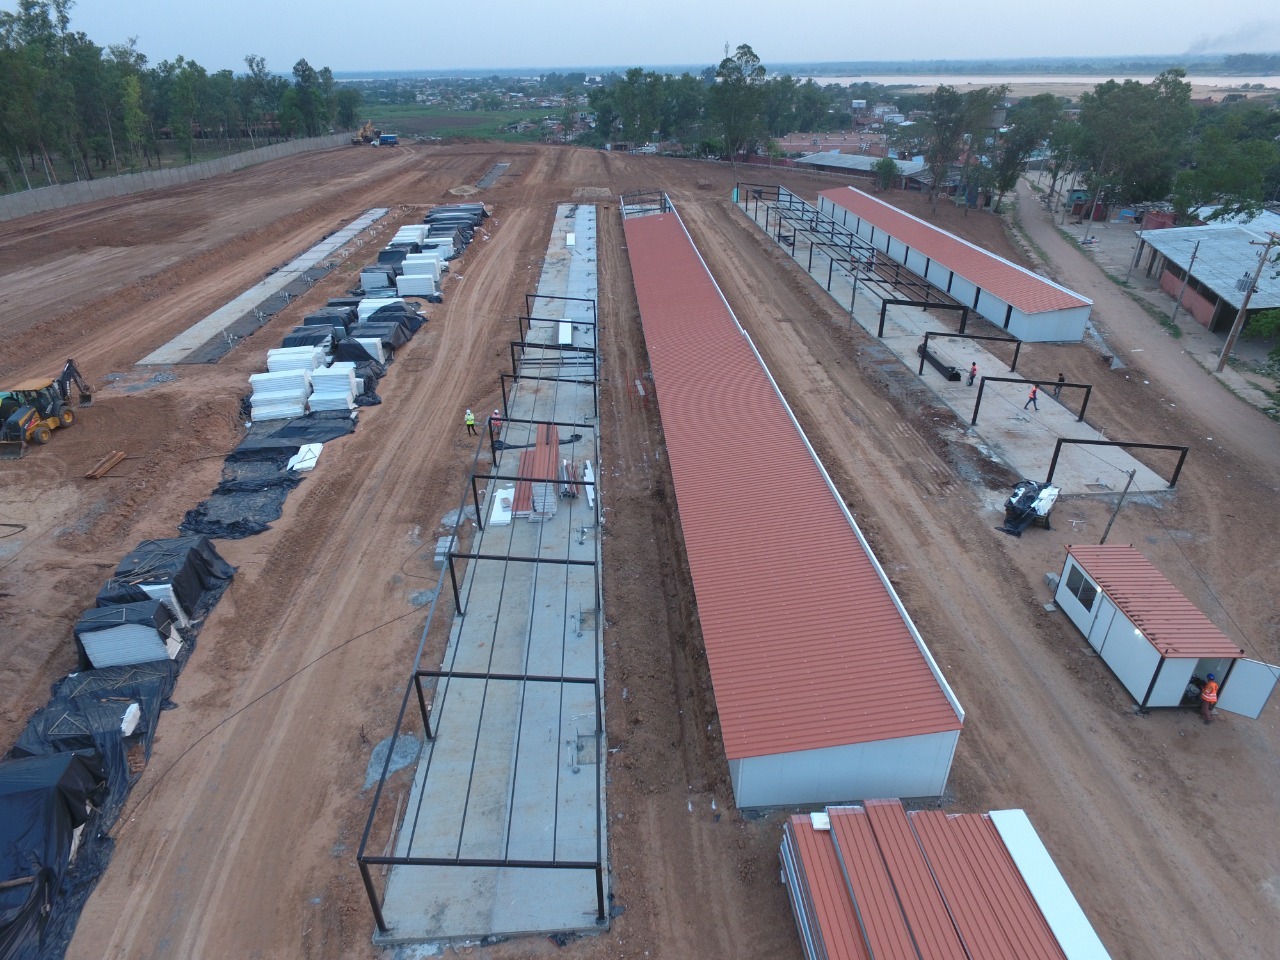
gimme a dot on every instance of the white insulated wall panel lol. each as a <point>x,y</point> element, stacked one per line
<point>904,767</point>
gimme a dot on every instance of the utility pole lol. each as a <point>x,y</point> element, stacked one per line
<point>1185,277</point>
<point>1238,325</point>
<point>1116,512</point>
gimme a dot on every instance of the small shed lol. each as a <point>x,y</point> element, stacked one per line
<point>1153,638</point>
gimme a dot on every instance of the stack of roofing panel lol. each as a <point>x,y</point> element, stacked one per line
<point>374,346</point>
<point>127,633</point>
<point>536,496</point>
<point>334,388</point>
<point>376,278</point>
<point>296,358</point>
<point>425,264</point>
<point>410,233</point>
<point>877,881</point>
<point>311,336</point>
<point>371,305</point>
<point>418,285</point>
<point>281,395</point>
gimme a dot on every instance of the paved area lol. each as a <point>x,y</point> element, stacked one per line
<point>515,770</point>
<point>1007,430</point>
<point>197,335</point>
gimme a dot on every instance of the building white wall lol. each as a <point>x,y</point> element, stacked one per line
<point>1057,326</point>
<point>903,767</point>
<point>1130,655</point>
<point>1171,683</point>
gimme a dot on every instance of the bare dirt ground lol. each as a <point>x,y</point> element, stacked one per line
<point>239,841</point>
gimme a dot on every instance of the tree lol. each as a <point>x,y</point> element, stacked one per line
<point>1030,125</point>
<point>1131,135</point>
<point>980,131</point>
<point>944,135</point>
<point>1228,170</point>
<point>886,171</point>
<point>736,101</point>
<point>346,107</point>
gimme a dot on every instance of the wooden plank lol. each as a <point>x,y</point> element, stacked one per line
<point>105,465</point>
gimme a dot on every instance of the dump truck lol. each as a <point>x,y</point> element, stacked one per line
<point>30,411</point>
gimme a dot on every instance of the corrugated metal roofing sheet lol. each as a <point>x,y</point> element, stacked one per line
<point>920,885</point>
<point>1171,623</point>
<point>1008,281</point>
<point>806,646</point>
<point>834,920</point>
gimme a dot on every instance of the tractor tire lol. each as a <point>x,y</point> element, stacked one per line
<point>68,417</point>
<point>41,435</point>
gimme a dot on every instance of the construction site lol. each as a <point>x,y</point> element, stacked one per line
<point>567,538</point>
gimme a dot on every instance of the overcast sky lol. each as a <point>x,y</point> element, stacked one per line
<point>447,34</point>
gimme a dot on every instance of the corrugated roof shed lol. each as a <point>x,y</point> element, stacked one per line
<point>1008,281</point>
<point>1171,623</point>
<point>797,622</point>
<point>1228,251</point>
<point>923,885</point>
<point>861,162</point>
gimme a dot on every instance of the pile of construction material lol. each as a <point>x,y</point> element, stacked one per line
<point>306,358</point>
<point>418,255</point>
<point>335,387</point>
<point>279,395</point>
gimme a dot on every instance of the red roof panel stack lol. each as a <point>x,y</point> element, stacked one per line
<point>806,644</point>
<point>916,886</point>
<point>1008,281</point>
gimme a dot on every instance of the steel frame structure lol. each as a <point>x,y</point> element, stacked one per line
<point>1127,444</point>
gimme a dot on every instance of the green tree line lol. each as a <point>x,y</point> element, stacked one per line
<point>70,109</point>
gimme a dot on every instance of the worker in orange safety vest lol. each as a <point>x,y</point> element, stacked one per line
<point>1208,698</point>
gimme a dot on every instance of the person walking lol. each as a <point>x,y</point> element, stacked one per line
<point>973,372</point>
<point>1057,387</point>
<point>470,420</point>
<point>1208,699</point>
<point>1031,398</point>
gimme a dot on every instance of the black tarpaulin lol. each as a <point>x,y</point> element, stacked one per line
<point>398,313</point>
<point>250,497</point>
<point>271,437</point>
<point>314,336</point>
<point>116,591</point>
<point>42,802</point>
<point>392,335</point>
<point>198,574</point>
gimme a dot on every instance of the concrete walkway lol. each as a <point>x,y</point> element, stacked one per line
<point>515,770</point>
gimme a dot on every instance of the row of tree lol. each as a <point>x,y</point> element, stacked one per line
<point>71,108</point>
<point>1128,141</point>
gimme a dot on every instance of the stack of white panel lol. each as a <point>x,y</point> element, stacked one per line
<point>334,388</point>
<point>296,358</point>
<point>424,264</point>
<point>371,305</point>
<point>416,285</point>
<point>374,346</point>
<point>281,395</point>
<point>411,233</point>
<point>376,278</point>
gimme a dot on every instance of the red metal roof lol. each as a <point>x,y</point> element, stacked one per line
<point>827,898</point>
<point>1171,623</point>
<point>806,646</point>
<point>1013,284</point>
<point>920,886</point>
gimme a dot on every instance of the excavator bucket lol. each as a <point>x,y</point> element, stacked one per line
<point>12,449</point>
<point>86,398</point>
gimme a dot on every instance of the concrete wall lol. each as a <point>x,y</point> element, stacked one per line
<point>69,194</point>
<point>903,767</point>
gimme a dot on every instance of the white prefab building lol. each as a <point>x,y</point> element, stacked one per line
<point>1152,637</point>
<point>1028,306</point>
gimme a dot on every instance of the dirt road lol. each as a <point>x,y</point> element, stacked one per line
<point>240,838</point>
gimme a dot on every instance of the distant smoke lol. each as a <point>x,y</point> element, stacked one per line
<point>1258,36</point>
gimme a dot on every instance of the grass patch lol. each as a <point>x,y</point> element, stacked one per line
<point>410,120</point>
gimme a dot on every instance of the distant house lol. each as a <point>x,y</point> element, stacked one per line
<point>1226,256</point>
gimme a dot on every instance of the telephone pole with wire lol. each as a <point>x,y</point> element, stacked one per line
<point>1238,324</point>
